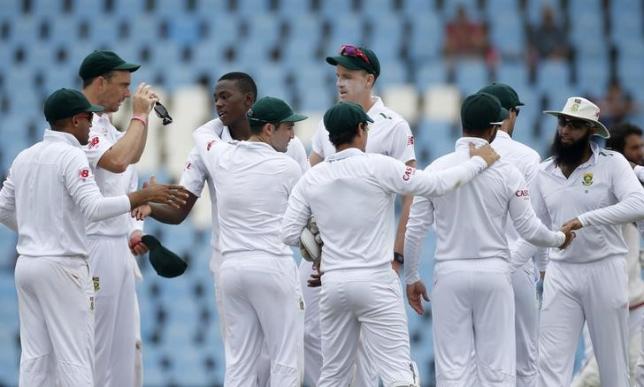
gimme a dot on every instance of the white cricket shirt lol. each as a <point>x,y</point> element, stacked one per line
<point>195,173</point>
<point>50,194</point>
<point>253,182</point>
<point>602,193</point>
<point>103,135</point>
<point>351,194</point>
<point>471,221</point>
<point>389,135</point>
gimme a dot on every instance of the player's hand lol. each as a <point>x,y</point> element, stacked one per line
<point>170,194</point>
<point>141,212</point>
<point>396,266</point>
<point>571,225</point>
<point>143,99</point>
<point>570,235</point>
<point>414,293</point>
<point>315,280</point>
<point>136,245</point>
<point>486,152</point>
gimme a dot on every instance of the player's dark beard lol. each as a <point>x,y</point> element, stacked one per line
<point>569,154</point>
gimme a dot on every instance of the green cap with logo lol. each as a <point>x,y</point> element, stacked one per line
<point>271,109</point>
<point>165,262</point>
<point>481,110</point>
<point>65,103</point>
<point>356,58</point>
<point>505,93</point>
<point>102,62</point>
<point>344,117</point>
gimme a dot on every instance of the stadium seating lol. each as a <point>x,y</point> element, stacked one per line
<point>282,43</point>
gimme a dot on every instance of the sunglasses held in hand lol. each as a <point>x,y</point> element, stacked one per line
<point>162,113</point>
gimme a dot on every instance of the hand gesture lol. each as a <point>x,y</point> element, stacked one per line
<point>414,293</point>
<point>141,212</point>
<point>486,152</point>
<point>143,99</point>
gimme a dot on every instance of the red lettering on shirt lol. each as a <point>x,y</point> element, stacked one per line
<point>409,171</point>
<point>210,144</point>
<point>410,140</point>
<point>188,165</point>
<point>522,193</point>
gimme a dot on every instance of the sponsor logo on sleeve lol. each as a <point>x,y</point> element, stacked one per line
<point>84,173</point>
<point>410,140</point>
<point>210,144</point>
<point>188,165</point>
<point>93,142</point>
<point>409,172</point>
<point>522,193</point>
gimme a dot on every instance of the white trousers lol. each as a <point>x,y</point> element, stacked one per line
<point>593,292</point>
<point>56,308</point>
<point>113,273</point>
<point>367,306</point>
<point>363,372</point>
<point>263,307</point>
<point>526,322</point>
<point>474,339</point>
<point>588,376</point>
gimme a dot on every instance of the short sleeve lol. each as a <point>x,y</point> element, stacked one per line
<point>96,147</point>
<point>402,142</point>
<point>194,173</point>
<point>319,137</point>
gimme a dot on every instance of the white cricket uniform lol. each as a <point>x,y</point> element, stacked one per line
<point>586,281</point>
<point>48,197</point>
<point>195,175</point>
<point>589,373</point>
<point>113,267</point>
<point>472,297</point>
<point>526,307</point>
<point>262,303</point>
<point>389,135</point>
<point>351,195</point>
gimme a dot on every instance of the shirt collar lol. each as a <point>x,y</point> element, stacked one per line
<point>502,135</point>
<point>464,143</point>
<point>54,135</point>
<point>346,153</point>
<point>254,144</point>
<point>592,160</point>
<point>377,106</point>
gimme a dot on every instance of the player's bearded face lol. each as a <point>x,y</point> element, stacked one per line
<point>570,152</point>
<point>116,89</point>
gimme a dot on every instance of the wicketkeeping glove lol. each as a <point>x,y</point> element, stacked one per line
<point>310,242</point>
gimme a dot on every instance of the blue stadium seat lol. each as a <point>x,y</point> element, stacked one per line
<point>427,36</point>
<point>450,9</point>
<point>592,76</point>
<point>263,28</point>
<point>471,75</point>
<point>391,73</point>
<point>412,7</point>
<point>386,38</point>
<point>184,29</point>
<point>379,11</point>
<point>104,30</point>
<point>429,73</point>
<point>337,9</point>
<point>552,74</point>
<point>347,29</point>
<point>512,73</point>
<point>294,9</point>
<point>508,37</point>
<point>271,77</point>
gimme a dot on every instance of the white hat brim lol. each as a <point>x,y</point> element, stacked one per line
<point>601,130</point>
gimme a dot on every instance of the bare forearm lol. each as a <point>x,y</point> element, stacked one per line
<point>171,215</point>
<point>127,150</point>
<point>399,245</point>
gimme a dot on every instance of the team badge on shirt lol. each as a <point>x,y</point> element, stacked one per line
<point>587,179</point>
<point>97,283</point>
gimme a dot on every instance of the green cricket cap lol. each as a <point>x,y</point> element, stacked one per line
<point>481,110</point>
<point>505,93</point>
<point>64,103</point>
<point>344,117</point>
<point>165,262</point>
<point>102,62</point>
<point>271,109</point>
<point>356,58</point>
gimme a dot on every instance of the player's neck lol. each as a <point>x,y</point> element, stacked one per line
<point>367,102</point>
<point>239,130</point>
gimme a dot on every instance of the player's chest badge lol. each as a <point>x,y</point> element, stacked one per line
<point>587,179</point>
<point>97,283</point>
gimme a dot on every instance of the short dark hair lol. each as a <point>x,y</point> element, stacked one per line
<point>342,138</point>
<point>108,75</point>
<point>618,134</point>
<point>244,81</point>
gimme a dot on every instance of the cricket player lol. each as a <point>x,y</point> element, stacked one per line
<point>472,298</point>
<point>113,242</point>
<point>234,94</point>
<point>627,140</point>
<point>262,303</point>
<point>526,160</point>
<point>598,190</point>
<point>357,69</point>
<point>48,198</point>
<point>351,195</point>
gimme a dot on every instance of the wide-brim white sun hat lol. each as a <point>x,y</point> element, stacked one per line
<point>583,109</point>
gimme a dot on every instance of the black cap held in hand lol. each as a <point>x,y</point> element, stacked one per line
<point>165,262</point>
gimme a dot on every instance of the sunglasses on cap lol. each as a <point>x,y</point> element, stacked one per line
<point>573,123</point>
<point>353,51</point>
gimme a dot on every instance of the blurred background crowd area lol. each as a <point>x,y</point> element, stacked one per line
<point>432,54</point>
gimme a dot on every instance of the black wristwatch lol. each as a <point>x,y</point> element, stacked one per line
<point>399,258</point>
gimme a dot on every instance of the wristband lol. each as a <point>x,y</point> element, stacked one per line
<point>399,258</point>
<point>140,117</point>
